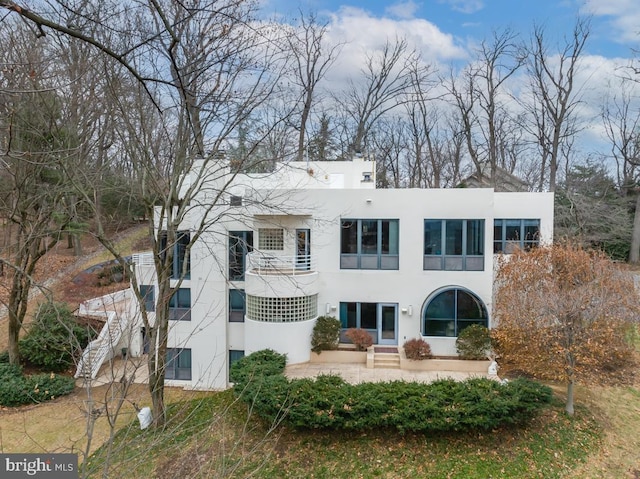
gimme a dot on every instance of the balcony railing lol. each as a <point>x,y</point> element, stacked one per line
<point>262,263</point>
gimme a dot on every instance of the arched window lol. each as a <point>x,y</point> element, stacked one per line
<point>450,311</point>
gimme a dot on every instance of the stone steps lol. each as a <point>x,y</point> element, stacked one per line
<point>386,361</point>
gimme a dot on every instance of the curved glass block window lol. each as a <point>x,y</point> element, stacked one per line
<point>282,310</point>
<point>452,310</point>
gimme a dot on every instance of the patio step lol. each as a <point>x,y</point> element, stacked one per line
<point>386,361</point>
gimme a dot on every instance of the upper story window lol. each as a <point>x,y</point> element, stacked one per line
<point>271,239</point>
<point>147,292</point>
<point>454,245</point>
<point>180,256</point>
<point>180,305</point>
<point>240,243</point>
<point>369,244</point>
<point>512,234</point>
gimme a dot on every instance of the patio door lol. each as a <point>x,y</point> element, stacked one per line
<point>387,323</point>
<point>303,249</point>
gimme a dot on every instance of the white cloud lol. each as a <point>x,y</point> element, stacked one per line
<point>624,16</point>
<point>465,6</point>
<point>405,10</point>
<point>364,33</point>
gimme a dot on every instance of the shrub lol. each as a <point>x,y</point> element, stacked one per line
<point>326,334</point>
<point>54,338</point>
<point>474,342</point>
<point>16,389</point>
<point>4,357</point>
<point>257,365</point>
<point>360,338</point>
<point>417,348</point>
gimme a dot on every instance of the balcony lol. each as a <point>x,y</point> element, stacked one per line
<point>270,275</point>
<point>268,264</point>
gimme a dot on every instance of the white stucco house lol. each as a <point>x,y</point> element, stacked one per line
<point>318,239</point>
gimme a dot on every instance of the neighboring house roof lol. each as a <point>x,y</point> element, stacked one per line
<point>504,181</point>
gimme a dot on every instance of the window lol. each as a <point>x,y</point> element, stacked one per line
<point>369,244</point>
<point>240,243</point>
<point>235,200</point>
<point>454,245</point>
<point>452,310</point>
<point>509,235</point>
<point>147,292</point>
<point>235,355</point>
<point>180,305</point>
<point>359,315</point>
<point>178,364</point>
<point>282,310</point>
<point>183,238</point>
<point>237,305</point>
<point>271,239</point>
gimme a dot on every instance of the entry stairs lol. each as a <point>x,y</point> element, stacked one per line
<point>386,360</point>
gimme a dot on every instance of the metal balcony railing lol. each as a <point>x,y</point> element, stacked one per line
<point>259,262</point>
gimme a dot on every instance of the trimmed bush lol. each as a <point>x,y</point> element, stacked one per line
<point>474,342</point>
<point>326,334</point>
<point>257,366</point>
<point>328,402</point>
<point>54,339</point>
<point>360,338</point>
<point>16,389</point>
<point>417,349</point>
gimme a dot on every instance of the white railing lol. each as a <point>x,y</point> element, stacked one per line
<point>259,262</point>
<point>103,347</point>
<point>143,259</point>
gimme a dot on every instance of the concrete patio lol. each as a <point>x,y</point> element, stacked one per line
<point>354,373</point>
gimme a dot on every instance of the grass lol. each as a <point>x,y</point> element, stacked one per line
<point>215,437</point>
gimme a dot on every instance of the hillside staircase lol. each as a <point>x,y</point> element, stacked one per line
<point>117,324</point>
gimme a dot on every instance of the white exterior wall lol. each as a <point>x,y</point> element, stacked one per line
<point>315,203</point>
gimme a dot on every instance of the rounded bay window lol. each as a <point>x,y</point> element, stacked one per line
<point>447,312</point>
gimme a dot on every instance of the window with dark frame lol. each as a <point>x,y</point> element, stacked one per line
<point>512,234</point>
<point>178,364</point>
<point>180,305</point>
<point>452,310</point>
<point>454,244</point>
<point>240,244</point>
<point>237,305</point>
<point>369,244</point>
<point>147,292</point>
<point>180,255</point>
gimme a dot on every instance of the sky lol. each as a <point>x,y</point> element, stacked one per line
<point>446,32</point>
<point>450,25</point>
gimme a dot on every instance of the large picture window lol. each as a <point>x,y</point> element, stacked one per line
<point>178,364</point>
<point>369,244</point>
<point>454,245</point>
<point>180,256</point>
<point>512,234</point>
<point>452,310</point>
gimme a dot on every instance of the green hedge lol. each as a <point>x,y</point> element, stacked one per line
<point>17,389</point>
<point>328,402</point>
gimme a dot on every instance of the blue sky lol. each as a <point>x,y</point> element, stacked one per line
<point>615,23</point>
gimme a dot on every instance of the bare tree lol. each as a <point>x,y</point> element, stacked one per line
<point>480,98</point>
<point>202,69</point>
<point>622,125</point>
<point>554,97</point>
<point>312,57</point>
<point>383,86</point>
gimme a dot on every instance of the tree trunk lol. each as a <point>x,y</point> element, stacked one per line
<point>569,406</point>
<point>634,253</point>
